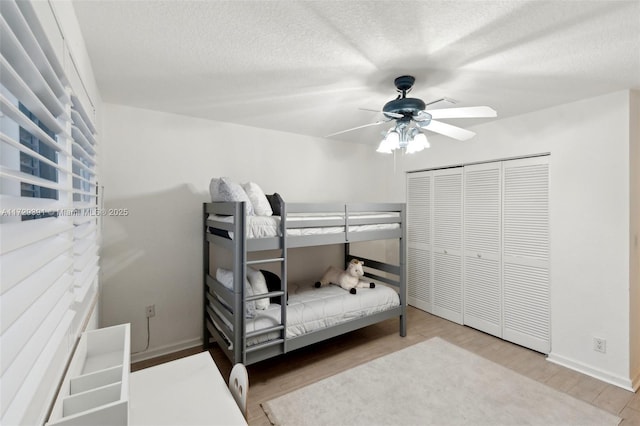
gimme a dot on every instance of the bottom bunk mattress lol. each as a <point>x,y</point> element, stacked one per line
<point>310,309</point>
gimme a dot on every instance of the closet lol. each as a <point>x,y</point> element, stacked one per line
<point>478,247</point>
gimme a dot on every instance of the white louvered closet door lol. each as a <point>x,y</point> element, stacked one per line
<point>526,253</point>
<point>419,194</point>
<point>482,247</point>
<point>447,244</point>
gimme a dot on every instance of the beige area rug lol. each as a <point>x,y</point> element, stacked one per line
<point>431,383</point>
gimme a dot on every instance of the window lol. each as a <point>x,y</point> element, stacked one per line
<point>36,167</point>
<point>48,216</point>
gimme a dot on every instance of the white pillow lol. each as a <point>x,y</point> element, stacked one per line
<point>225,277</point>
<point>259,285</point>
<point>224,189</point>
<point>260,203</point>
<point>250,307</point>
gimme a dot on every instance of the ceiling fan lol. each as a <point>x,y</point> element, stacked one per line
<point>412,116</point>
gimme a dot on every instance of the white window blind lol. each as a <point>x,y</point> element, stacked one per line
<point>48,222</point>
<point>85,205</point>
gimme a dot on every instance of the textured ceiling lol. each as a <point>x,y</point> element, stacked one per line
<point>307,66</point>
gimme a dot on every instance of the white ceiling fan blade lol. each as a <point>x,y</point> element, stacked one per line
<point>464,112</point>
<point>449,130</point>
<point>359,127</point>
<point>449,100</point>
<point>390,114</point>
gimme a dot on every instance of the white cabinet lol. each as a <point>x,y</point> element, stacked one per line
<point>479,247</point>
<point>95,390</point>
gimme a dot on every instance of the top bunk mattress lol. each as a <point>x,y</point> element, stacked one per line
<point>268,226</point>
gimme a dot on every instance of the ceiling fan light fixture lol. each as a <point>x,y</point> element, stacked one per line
<point>408,139</point>
<point>418,143</point>
<point>390,142</point>
<point>383,148</point>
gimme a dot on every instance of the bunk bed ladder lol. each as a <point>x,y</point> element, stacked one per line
<point>281,342</point>
<point>239,276</point>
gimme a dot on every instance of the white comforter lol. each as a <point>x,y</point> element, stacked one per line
<point>310,309</point>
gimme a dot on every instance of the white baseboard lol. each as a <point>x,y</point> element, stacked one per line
<point>165,350</point>
<point>622,382</point>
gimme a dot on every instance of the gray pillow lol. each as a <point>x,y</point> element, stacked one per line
<point>224,189</point>
<point>275,200</point>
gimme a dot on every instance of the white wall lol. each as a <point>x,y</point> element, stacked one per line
<point>158,166</point>
<point>590,215</point>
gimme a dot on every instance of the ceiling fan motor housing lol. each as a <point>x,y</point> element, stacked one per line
<point>404,83</point>
<point>408,107</point>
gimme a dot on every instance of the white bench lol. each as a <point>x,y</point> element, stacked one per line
<point>187,391</point>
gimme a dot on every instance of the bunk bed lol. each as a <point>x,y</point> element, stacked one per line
<point>281,328</point>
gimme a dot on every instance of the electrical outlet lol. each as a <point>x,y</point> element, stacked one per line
<point>151,311</point>
<point>599,345</point>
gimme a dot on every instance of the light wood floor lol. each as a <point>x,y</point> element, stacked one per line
<point>278,376</point>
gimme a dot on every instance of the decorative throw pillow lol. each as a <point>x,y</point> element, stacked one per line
<point>259,286</point>
<point>261,206</point>
<point>275,200</point>
<point>273,284</point>
<point>224,189</point>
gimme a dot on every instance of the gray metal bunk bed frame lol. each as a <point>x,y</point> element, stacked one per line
<point>235,346</point>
